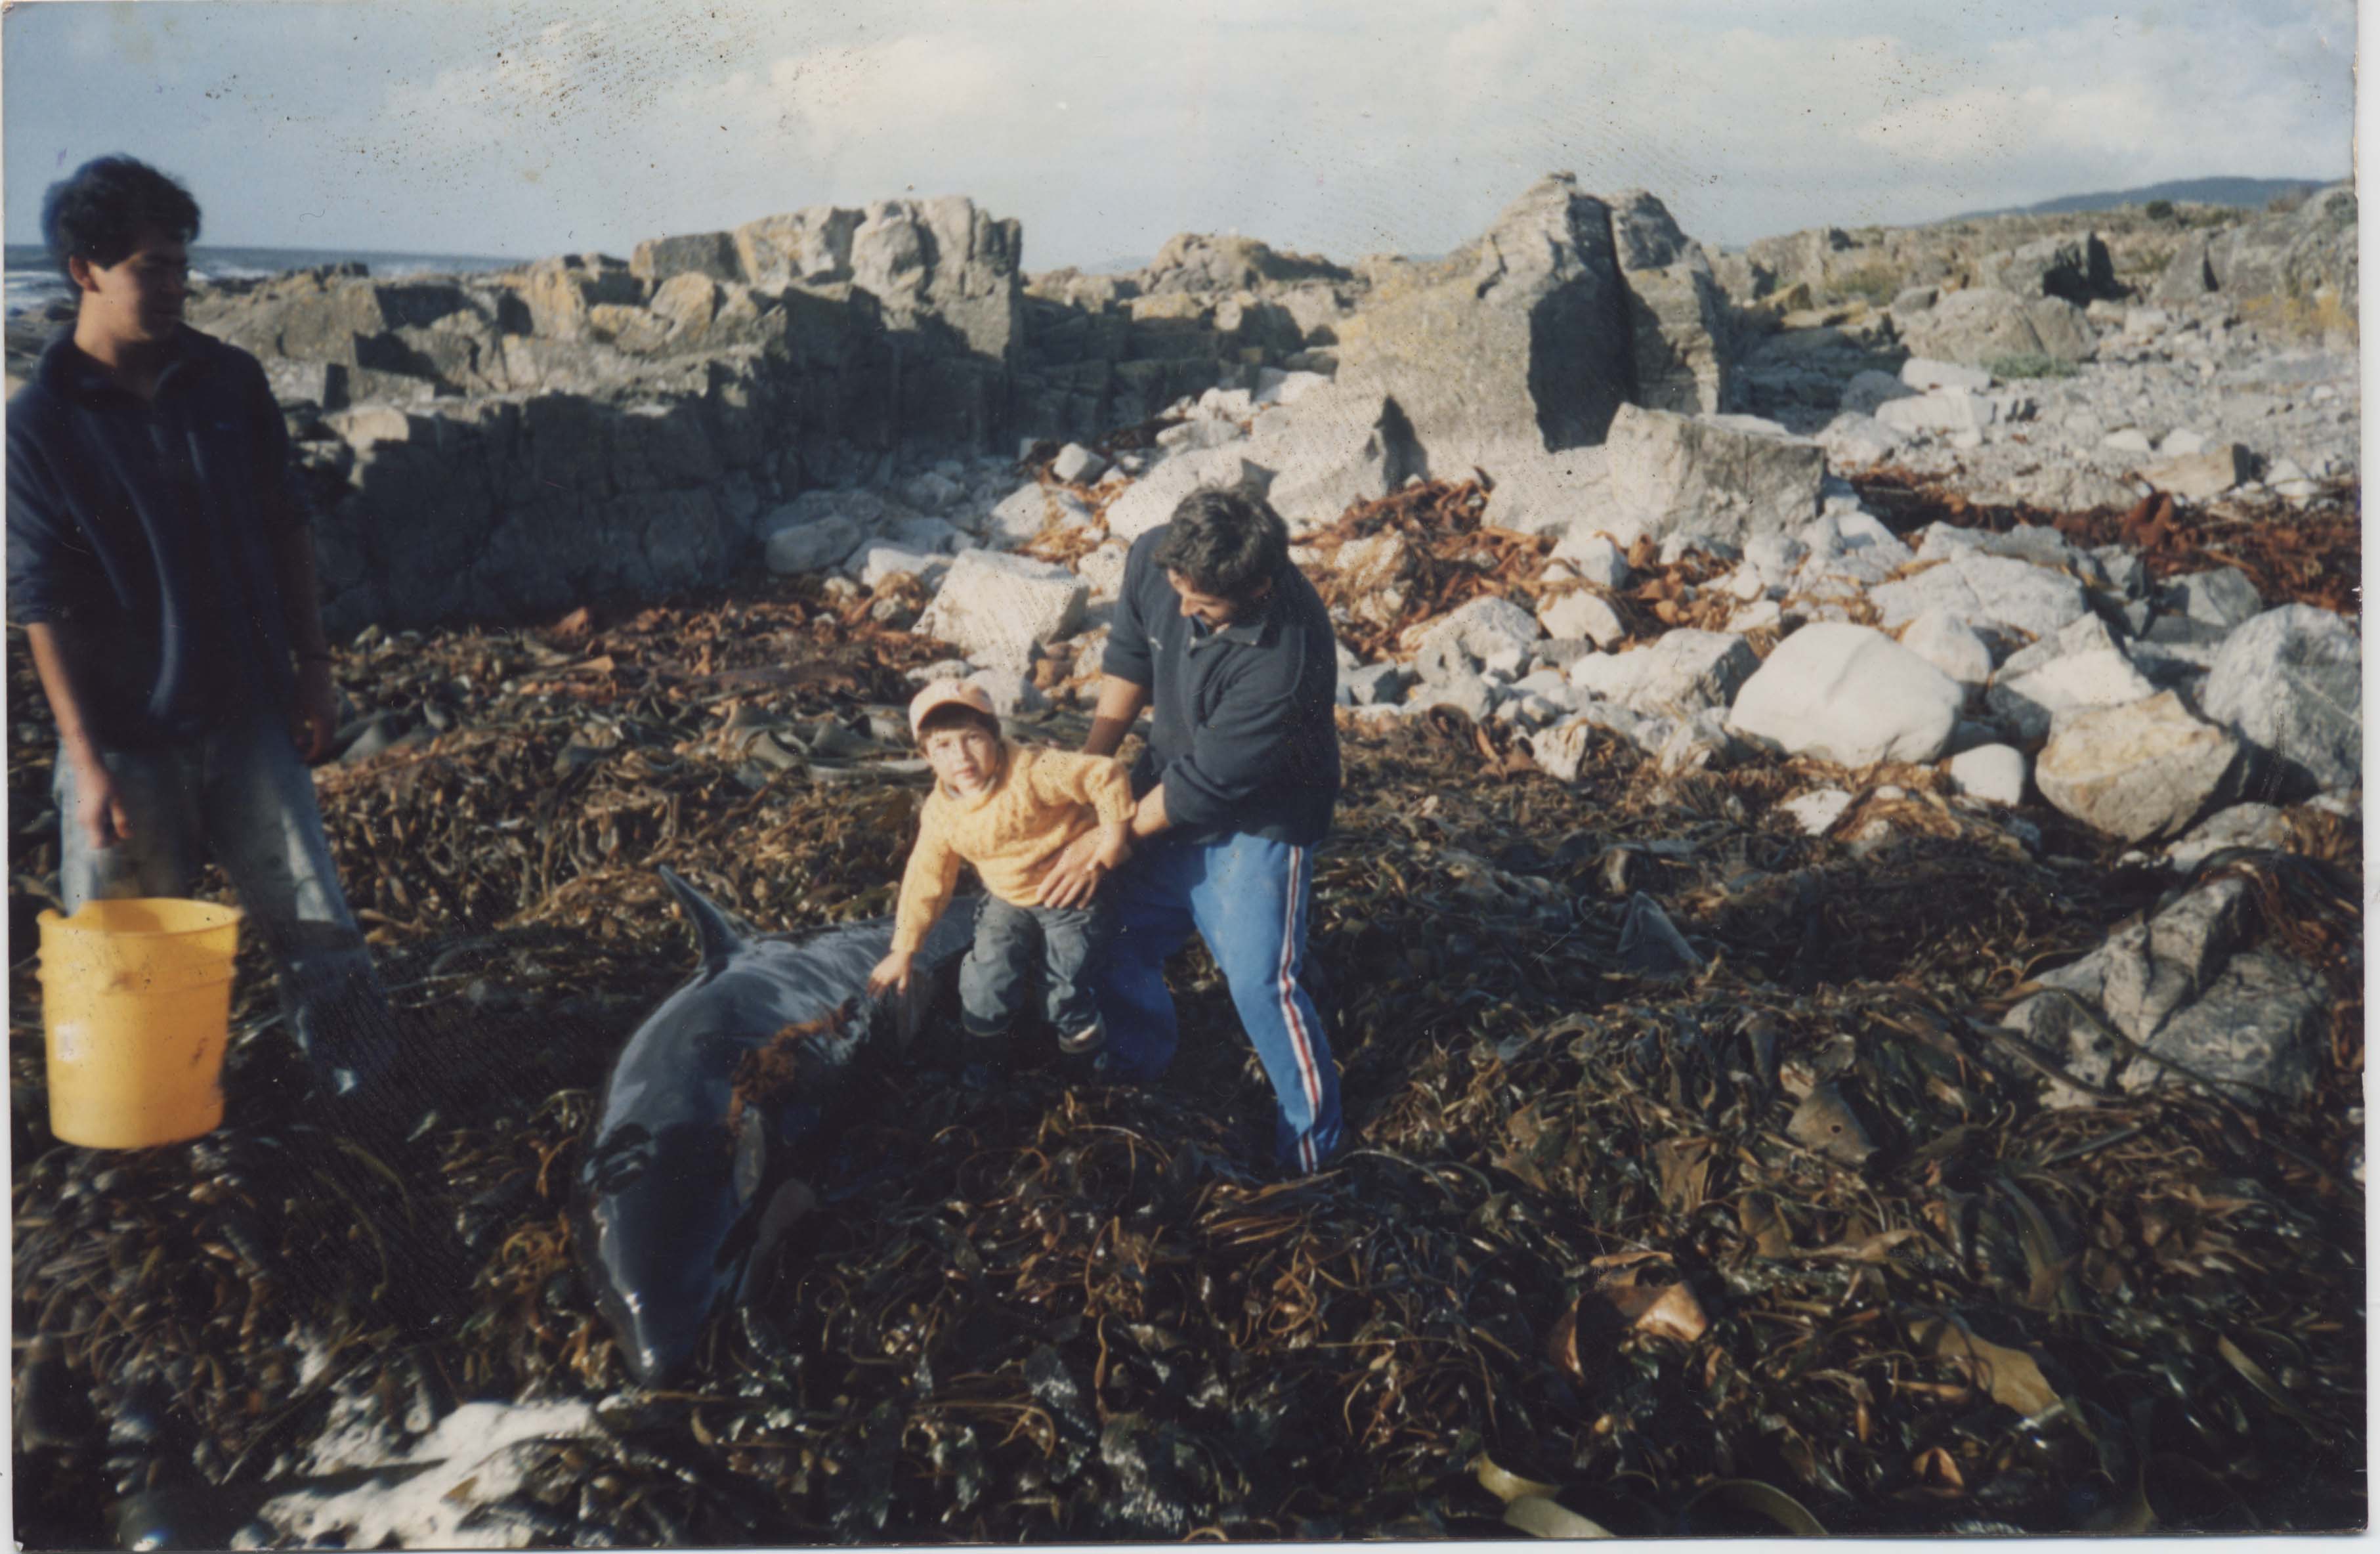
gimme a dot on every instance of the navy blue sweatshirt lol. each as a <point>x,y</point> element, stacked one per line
<point>1243,736</point>
<point>150,529</point>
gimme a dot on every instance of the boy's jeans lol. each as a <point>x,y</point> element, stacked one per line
<point>1248,899</point>
<point>240,795</point>
<point>1011,943</point>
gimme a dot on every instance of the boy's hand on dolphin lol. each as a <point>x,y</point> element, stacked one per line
<point>892,974</point>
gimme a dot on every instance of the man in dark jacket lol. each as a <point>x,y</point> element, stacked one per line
<point>1228,645</point>
<point>160,563</point>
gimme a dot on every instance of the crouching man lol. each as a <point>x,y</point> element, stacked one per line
<point>160,563</point>
<point>1231,649</point>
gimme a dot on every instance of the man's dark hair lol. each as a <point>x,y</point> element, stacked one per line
<point>100,212</point>
<point>1227,542</point>
<point>951,715</point>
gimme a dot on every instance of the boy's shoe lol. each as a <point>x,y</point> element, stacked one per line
<point>1090,1039</point>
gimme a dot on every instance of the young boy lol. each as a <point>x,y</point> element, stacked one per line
<point>1010,810</point>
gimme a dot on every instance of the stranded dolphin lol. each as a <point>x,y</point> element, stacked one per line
<point>717,1108</point>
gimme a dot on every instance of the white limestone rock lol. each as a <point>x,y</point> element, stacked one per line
<point>1984,591</point>
<point>1950,645</point>
<point>996,608</point>
<point>1848,694</point>
<point>1677,676</point>
<point>1582,612</point>
<point>2032,703</point>
<point>2136,771</point>
<point>1996,772</point>
<point>1708,477</point>
<point>1150,502</point>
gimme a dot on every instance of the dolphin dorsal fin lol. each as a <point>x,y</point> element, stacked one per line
<point>720,933</point>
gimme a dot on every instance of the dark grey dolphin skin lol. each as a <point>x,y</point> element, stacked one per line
<point>685,1189</point>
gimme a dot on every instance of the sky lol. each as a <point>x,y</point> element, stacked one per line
<point>1338,127</point>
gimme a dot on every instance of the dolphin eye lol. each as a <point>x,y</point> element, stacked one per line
<point>618,1158</point>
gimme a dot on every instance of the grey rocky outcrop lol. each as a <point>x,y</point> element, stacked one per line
<point>1985,323</point>
<point>1519,336</point>
<point>1682,332</point>
<point>2195,1003</point>
<point>2290,682</point>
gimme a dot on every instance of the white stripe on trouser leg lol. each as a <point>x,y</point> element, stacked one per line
<point>1300,1043</point>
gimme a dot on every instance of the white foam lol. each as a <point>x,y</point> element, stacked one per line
<point>475,1466</point>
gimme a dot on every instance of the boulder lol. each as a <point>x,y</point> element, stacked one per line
<point>1677,676</point>
<point>1949,645</point>
<point>2075,266</point>
<point>877,560</point>
<point>2306,257</point>
<point>1078,465</point>
<point>2221,597</point>
<point>1521,337</point>
<point>1707,478</point>
<point>2182,985</point>
<point>1984,591</point>
<point>1561,751</point>
<point>1869,388</point>
<point>2149,769</point>
<point>1996,772</point>
<point>1924,374</point>
<point>708,254</point>
<point>2241,825</point>
<point>1018,517</point>
<point>561,291</point>
<point>995,608</point>
<point>1582,612</point>
<point>1816,811</point>
<point>1680,332</point>
<point>813,545</point>
<point>2186,276</point>
<point>2198,476</point>
<point>1481,629</point>
<point>1335,449</point>
<point>2290,682</point>
<point>1984,324</point>
<point>1566,493</point>
<point>1848,694</point>
<point>1150,502</point>
<point>2032,703</point>
<point>1941,411</point>
<point>1595,558</point>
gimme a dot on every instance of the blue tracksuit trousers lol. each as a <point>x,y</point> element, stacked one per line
<point>1248,899</point>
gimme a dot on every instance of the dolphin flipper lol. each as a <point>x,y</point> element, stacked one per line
<point>720,933</point>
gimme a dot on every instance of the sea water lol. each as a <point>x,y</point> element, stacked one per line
<point>31,280</point>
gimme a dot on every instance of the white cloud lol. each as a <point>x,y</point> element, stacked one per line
<point>1343,126</point>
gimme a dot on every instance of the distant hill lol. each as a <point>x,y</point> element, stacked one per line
<point>2246,193</point>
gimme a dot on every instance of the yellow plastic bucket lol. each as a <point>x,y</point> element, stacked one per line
<point>136,1005</point>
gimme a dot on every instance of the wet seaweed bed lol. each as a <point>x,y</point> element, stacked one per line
<point>1768,1231</point>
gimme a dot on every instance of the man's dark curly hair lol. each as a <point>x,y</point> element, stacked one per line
<point>101,212</point>
<point>1228,542</point>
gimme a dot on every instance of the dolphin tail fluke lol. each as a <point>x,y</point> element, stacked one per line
<point>720,933</point>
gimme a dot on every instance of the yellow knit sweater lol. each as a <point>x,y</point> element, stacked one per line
<point>1011,832</point>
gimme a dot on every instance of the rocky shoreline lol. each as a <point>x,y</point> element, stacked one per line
<point>1848,896</point>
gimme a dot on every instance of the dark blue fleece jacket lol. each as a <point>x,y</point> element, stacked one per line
<point>149,530</point>
<point>1241,732</point>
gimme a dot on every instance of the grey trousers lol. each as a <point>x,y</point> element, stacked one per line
<point>241,796</point>
<point>1012,944</point>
